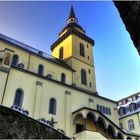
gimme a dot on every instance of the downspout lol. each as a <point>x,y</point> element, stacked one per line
<point>29,61</point>
<point>138,118</point>
<point>5,88</point>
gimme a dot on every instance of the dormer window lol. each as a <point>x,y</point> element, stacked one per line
<point>132,107</point>
<point>121,111</point>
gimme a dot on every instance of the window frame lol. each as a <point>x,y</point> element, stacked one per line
<point>83,77</point>
<point>52,106</point>
<point>63,78</point>
<point>15,59</point>
<point>20,102</point>
<point>131,125</point>
<point>61,53</point>
<point>82,50</point>
<point>40,69</point>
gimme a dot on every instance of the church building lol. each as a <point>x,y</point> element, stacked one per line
<point>60,89</point>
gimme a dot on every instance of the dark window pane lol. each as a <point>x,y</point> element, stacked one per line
<point>63,78</point>
<point>18,98</point>
<point>83,77</point>
<point>82,51</point>
<point>15,59</point>
<point>40,69</point>
<point>61,53</point>
<point>52,106</point>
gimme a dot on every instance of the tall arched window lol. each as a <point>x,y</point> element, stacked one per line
<point>15,59</point>
<point>83,77</point>
<point>133,106</point>
<point>52,106</point>
<point>82,50</point>
<point>18,97</point>
<point>104,109</point>
<point>61,53</point>
<point>122,111</point>
<point>101,109</point>
<point>98,108</point>
<point>131,125</point>
<point>40,69</point>
<point>63,78</point>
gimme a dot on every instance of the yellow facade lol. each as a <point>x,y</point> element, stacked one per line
<point>76,111</point>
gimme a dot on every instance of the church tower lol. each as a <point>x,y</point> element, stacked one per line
<point>76,49</point>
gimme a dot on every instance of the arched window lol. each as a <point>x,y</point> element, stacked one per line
<point>83,77</point>
<point>109,111</point>
<point>61,53</point>
<point>63,78</point>
<point>52,106</point>
<point>82,50</point>
<point>101,109</point>
<point>131,125</point>
<point>132,106</point>
<point>104,109</point>
<point>121,111</point>
<point>15,59</point>
<point>40,69</point>
<point>18,97</point>
<point>98,107</point>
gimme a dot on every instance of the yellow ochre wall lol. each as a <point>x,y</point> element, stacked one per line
<point>38,90</point>
<point>72,56</point>
<point>3,77</point>
<point>24,55</point>
<point>67,46</point>
<point>136,119</point>
<point>49,89</point>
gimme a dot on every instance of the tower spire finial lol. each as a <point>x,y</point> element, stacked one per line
<point>72,14</point>
<point>72,18</point>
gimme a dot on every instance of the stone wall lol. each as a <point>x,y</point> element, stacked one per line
<point>14,125</point>
<point>130,14</point>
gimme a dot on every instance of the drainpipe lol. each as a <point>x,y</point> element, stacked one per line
<point>5,88</point>
<point>29,61</point>
<point>138,118</point>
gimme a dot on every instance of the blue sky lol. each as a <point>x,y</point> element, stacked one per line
<point>117,63</point>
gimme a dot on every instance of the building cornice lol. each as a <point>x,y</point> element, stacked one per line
<point>94,94</point>
<point>72,31</point>
<point>32,51</point>
<point>131,134</point>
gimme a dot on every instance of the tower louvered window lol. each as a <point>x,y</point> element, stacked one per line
<point>83,77</point>
<point>82,50</point>
<point>61,53</point>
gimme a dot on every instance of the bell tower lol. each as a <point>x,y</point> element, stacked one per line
<point>76,49</point>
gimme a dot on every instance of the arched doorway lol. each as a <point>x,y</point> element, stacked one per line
<point>90,122</point>
<point>79,123</point>
<point>111,132</point>
<point>101,126</point>
<point>129,138</point>
<point>120,136</point>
